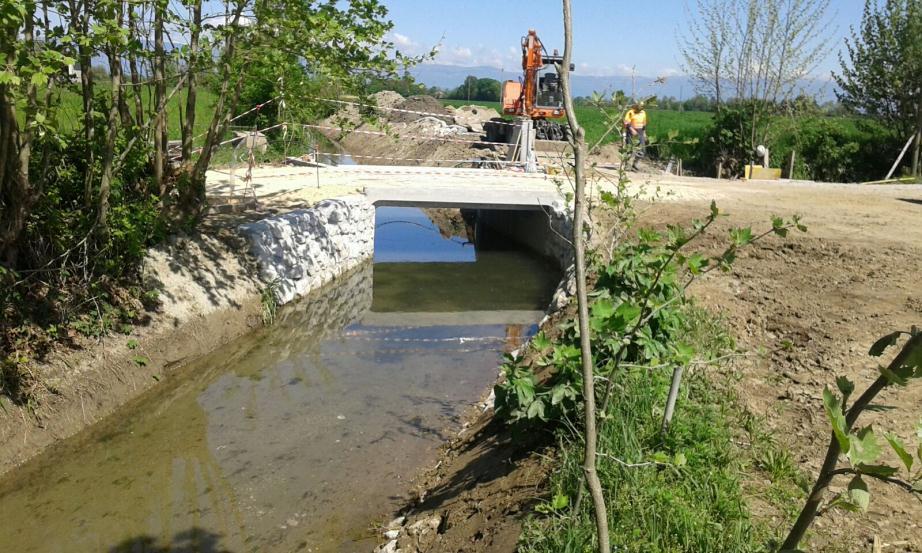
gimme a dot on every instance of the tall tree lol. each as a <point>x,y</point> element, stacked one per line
<point>706,45</point>
<point>754,50</point>
<point>882,75</point>
<point>578,142</point>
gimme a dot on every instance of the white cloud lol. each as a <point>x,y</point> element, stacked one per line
<point>403,41</point>
<point>466,56</point>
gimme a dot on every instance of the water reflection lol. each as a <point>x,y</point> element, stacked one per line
<point>294,437</point>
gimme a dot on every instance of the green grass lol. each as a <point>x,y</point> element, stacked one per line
<point>698,507</point>
<point>70,110</point>
<point>688,124</point>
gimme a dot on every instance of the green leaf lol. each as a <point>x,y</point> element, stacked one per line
<point>741,236</point>
<point>661,457</point>
<point>778,227</point>
<point>132,344</point>
<point>560,501</point>
<point>603,309</point>
<point>140,360</point>
<point>39,79</point>
<point>558,393</point>
<point>524,390</point>
<point>864,448</point>
<point>900,450</point>
<point>858,493</point>
<point>684,353</point>
<point>696,263</point>
<point>714,211</point>
<point>845,386</point>
<point>833,408</point>
<point>541,342</point>
<point>679,459</point>
<point>10,78</point>
<point>884,471</point>
<point>883,343</point>
<point>536,409</point>
<point>892,377</point>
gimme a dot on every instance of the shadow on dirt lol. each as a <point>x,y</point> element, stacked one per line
<point>193,540</point>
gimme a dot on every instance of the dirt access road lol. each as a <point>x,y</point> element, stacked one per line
<point>829,294</point>
<point>814,303</point>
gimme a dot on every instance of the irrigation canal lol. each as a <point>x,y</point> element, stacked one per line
<point>299,435</point>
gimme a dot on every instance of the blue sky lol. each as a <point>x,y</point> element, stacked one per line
<point>611,36</point>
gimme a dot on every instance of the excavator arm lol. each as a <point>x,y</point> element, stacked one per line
<point>537,95</point>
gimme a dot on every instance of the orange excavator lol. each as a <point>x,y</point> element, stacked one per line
<point>538,95</point>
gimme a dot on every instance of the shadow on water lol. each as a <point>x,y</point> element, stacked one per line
<point>193,540</point>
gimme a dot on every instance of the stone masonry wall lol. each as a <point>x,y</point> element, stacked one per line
<point>302,250</point>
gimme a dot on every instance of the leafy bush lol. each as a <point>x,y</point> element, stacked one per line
<point>830,149</point>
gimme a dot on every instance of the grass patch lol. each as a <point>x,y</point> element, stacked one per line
<point>696,505</point>
<point>69,114</point>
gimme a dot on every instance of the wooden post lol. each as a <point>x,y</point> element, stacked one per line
<point>680,172</point>
<point>900,158</point>
<point>791,164</point>
<point>720,170</point>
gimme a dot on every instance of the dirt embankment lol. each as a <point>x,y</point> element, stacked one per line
<point>208,296</point>
<point>813,302</point>
<point>416,131</point>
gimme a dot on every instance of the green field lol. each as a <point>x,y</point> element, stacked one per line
<point>688,124</point>
<point>70,110</point>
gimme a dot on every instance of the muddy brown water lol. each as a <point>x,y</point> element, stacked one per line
<point>297,437</point>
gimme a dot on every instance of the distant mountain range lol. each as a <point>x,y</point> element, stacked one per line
<point>679,86</point>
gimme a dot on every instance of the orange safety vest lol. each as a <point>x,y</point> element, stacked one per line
<point>636,119</point>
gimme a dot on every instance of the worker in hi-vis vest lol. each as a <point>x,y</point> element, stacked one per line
<point>635,127</point>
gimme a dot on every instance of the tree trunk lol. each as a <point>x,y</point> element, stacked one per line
<point>221,113</point>
<point>159,102</point>
<point>123,111</point>
<point>13,189</point>
<point>15,156</point>
<point>85,57</point>
<point>133,68</point>
<point>105,182</point>
<point>579,150</point>
<point>189,124</point>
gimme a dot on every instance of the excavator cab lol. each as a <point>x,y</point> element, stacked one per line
<point>539,94</point>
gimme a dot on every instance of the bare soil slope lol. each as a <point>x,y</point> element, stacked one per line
<point>815,303</point>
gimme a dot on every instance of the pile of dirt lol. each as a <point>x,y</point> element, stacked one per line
<point>422,105</point>
<point>472,117</point>
<point>387,99</point>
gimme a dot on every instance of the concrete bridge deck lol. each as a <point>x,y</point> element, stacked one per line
<point>395,185</point>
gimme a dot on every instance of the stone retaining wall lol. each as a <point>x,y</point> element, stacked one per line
<point>306,248</point>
